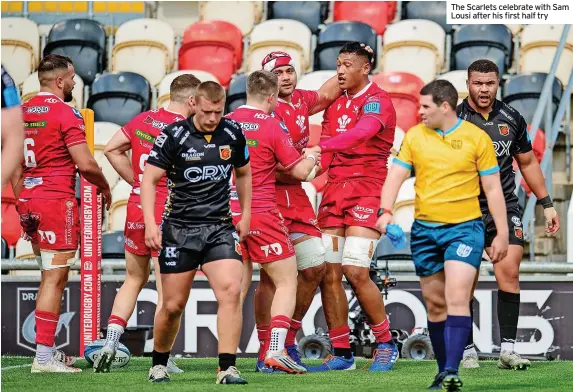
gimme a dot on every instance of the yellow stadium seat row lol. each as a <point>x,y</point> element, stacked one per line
<point>136,7</point>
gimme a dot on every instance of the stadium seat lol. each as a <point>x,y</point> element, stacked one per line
<point>103,132</point>
<point>311,193</point>
<point>24,250</point>
<point>112,245</point>
<point>311,13</point>
<point>313,81</point>
<point>523,91</point>
<point>117,97</point>
<point>376,14</point>
<point>31,87</point>
<point>415,46</point>
<point>459,80</point>
<point>5,249</point>
<point>10,227</point>
<point>144,46</point>
<point>514,28</point>
<point>404,206</point>
<point>404,90</point>
<point>435,11</point>
<point>82,40</point>
<point>538,47</point>
<point>289,36</point>
<point>20,47</point>
<point>215,47</point>
<point>178,14</point>
<point>164,86</point>
<point>483,41</point>
<point>242,14</point>
<point>334,36</point>
<point>237,94</point>
<point>118,210</point>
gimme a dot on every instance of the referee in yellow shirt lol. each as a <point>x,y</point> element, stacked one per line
<point>449,156</point>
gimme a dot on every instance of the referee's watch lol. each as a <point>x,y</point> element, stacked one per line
<point>382,211</point>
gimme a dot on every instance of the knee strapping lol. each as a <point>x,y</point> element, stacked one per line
<point>309,253</point>
<point>333,245</point>
<point>358,251</point>
<point>54,259</point>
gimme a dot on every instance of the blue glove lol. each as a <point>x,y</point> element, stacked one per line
<point>396,236</point>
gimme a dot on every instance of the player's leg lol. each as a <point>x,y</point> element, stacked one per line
<point>263,300</point>
<point>357,256</point>
<point>137,274</point>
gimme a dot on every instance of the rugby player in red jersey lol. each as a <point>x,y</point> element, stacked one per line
<point>54,145</point>
<point>268,242</point>
<point>138,136</point>
<point>358,131</point>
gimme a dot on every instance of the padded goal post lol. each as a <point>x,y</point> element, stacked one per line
<point>91,220</point>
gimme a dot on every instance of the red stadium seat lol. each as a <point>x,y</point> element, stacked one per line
<point>214,46</point>
<point>538,150</point>
<point>10,223</point>
<point>376,14</point>
<point>404,89</point>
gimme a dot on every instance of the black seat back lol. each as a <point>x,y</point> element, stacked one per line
<point>311,13</point>
<point>435,11</point>
<point>237,94</point>
<point>474,42</point>
<point>112,245</point>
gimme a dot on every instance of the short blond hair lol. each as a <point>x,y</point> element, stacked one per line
<point>211,91</point>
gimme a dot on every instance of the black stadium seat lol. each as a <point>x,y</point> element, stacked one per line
<point>237,94</point>
<point>112,245</point>
<point>83,41</point>
<point>311,13</point>
<point>474,42</point>
<point>435,11</point>
<point>119,96</point>
<point>5,249</point>
<point>334,36</point>
<point>523,91</point>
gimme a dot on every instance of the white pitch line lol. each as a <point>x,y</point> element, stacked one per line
<point>16,367</point>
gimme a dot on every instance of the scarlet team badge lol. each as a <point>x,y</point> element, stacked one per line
<point>503,129</point>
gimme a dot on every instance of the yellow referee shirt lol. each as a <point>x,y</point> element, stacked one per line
<point>447,165</point>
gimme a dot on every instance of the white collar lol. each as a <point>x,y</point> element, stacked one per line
<point>358,93</point>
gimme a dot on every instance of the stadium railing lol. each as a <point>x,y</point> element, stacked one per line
<point>552,131</point>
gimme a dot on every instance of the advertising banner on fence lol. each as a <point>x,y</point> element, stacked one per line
<point>545,322</point>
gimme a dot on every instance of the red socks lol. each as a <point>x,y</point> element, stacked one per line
<point>382,332</point>
<point>295,326</point>
<point>340,337</point>
<point>264,334</point>
<point>117,320</point>
<point>46,325</point>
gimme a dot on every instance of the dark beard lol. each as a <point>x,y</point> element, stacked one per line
<point>68,97</point>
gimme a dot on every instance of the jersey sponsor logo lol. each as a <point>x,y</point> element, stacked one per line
<point>362,213</point>
<point>171,252</point>
<point>506,114</point>
<point>230,133</point>
<point>184,138</point>
<point>343,121</point>
<point>154,123</point>
<point>37,109</point>
<point>207,173</point>
<point>457,144</point>
<point>160,140</point>
<point>225,152</point>
<point>503,129</point>
<point>209,146</point>
<point>518,231</point>
<point>135,225</point>
<point>35,124</point>
<point>208,138</point>
<point>261,116</point>
<point>248,126</point>
<point>464,250</point>
<point>275,249</point>
<point>516,221</point>
<point>177,131</point>
<point>192,155</point>
<point>372,107</point>
<point>252,142</point>
<point>51,100</point>
<point>502,148</point>
<point>144,136</point>
<point>288,142</point>
<point>77,113</point>
<point>283,126</point>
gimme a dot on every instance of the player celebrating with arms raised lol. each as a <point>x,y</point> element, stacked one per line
<point>358,129</point>
<point>508,131</point>
<point>45,187</point>
<point>138,136</point>
<point>449,156</point>
<point>268,242</point>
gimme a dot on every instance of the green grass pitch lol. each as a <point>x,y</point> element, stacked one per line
<point>200,375</point>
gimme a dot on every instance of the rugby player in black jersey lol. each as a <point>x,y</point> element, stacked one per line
<point>199,156</point>
<point>508,131</point>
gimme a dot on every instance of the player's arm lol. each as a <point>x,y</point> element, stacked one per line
<point>365,128</point>
<point>17,180</point>
<point>326,157</point>
<point>489,173</point>
<point>327,93</point>
<point>90,170</point>
<point>115,152</point>
<point>244,183</point>
<point>282,175</point>
<point>12,142</point>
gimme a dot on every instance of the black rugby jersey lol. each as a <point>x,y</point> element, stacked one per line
<point>199,167</point>
<point>10,95</point>
<point>508,130</point>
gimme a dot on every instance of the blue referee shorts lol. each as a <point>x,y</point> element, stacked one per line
<point>432,245</point>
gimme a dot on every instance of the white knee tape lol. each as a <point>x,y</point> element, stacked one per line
<point>48,258</point>
<point>358,251</point>
<point>333,246</point>
<point>309,253</point>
